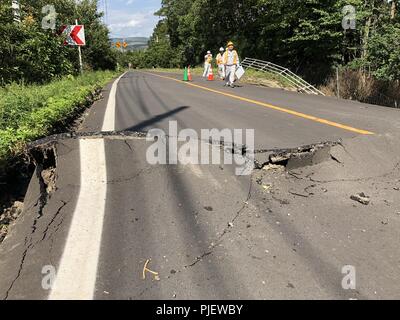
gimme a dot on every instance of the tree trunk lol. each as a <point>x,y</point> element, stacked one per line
<point>393,10</point>
<point>367,29</point>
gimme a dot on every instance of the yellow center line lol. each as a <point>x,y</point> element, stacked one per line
<point>270,106</point>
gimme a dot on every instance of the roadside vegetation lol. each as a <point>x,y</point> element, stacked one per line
<point>42,90</point>
<point>32,54</point>
<point>268,79</point>
<point>29,112</point>
<point>34,111</point>
<point>40,82</point>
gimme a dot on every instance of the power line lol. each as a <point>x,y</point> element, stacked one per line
<point>105,12</point>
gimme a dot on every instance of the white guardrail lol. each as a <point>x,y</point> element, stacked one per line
<point>264,66</point>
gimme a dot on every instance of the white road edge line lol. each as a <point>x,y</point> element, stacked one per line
<point>77,272</point>
<point>109,116</point>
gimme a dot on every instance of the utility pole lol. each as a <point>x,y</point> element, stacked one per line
<point>16,10</point>
<point>105,11</point>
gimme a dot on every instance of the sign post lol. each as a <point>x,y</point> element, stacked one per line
<point>79,52</point>
<point>75,37</point>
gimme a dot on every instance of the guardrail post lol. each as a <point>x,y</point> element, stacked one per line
<point>337,83</point>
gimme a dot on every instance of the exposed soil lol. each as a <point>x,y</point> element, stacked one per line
<point>14,183</point>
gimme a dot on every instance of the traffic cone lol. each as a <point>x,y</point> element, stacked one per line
<point>185,75</point>
<point>210,74</point>
<point>189,75</point>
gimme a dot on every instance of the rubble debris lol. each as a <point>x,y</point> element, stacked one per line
<point>279,158</point>
<point>385,222</point>
<point>49,179</point>
<point>267,186</point>
<point>272,166</point>
<point>13,212</point>
<point>290,285</point>
<point>299,194</point>
<point>8,216</point>
<point>361,198</point>
<point>301,156</point>
<point>290,159</point>
<point>146,269</point>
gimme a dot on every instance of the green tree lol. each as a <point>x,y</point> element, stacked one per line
<point>384,53</point>
<point>31,54</point>
<point>305,35</point>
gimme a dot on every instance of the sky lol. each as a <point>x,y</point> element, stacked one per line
<point>131,18</point>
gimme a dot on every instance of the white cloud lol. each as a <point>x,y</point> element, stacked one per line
<point>125,24</point>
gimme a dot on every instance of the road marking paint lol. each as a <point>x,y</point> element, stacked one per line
<point>109,116</point>
<point>76,274</point>
<point>270,106</point>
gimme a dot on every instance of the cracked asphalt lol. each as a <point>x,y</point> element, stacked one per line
<point>209,234</point>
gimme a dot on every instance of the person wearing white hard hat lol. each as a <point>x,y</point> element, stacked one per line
<point>231,62</point>
<point>220,62</point>
<point>207,63</point>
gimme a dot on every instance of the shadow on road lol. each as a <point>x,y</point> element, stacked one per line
<point>150,122</point>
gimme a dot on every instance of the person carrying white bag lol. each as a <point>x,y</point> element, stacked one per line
<point>231,62</point>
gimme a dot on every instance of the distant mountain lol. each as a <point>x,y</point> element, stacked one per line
<point>134,43</point>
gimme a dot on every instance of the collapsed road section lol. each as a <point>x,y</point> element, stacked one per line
<point>97,212</point>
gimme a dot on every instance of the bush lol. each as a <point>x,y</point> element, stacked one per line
<point>363,87</point>
<point>31,112</point>
<point>30,55</point>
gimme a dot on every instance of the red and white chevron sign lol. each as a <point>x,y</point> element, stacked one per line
<point>75,35</point>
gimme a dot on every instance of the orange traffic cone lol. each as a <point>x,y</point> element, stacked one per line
<point>189,74</point>
<point>210,74</point>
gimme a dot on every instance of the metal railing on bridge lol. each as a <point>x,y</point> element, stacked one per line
<point>300,84</point>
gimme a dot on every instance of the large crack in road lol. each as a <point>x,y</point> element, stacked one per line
<point>286,181</point>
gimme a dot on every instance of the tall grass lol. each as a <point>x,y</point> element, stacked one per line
<point>360,86</point>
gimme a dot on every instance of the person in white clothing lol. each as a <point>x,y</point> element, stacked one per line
<point>207,63</point>
<point>231,62</point>
<point>220,62</point>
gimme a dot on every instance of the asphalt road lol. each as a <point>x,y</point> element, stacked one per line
<point>151,100</point>
<point>202,231</point>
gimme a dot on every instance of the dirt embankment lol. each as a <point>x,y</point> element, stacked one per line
<point>15,180</point>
